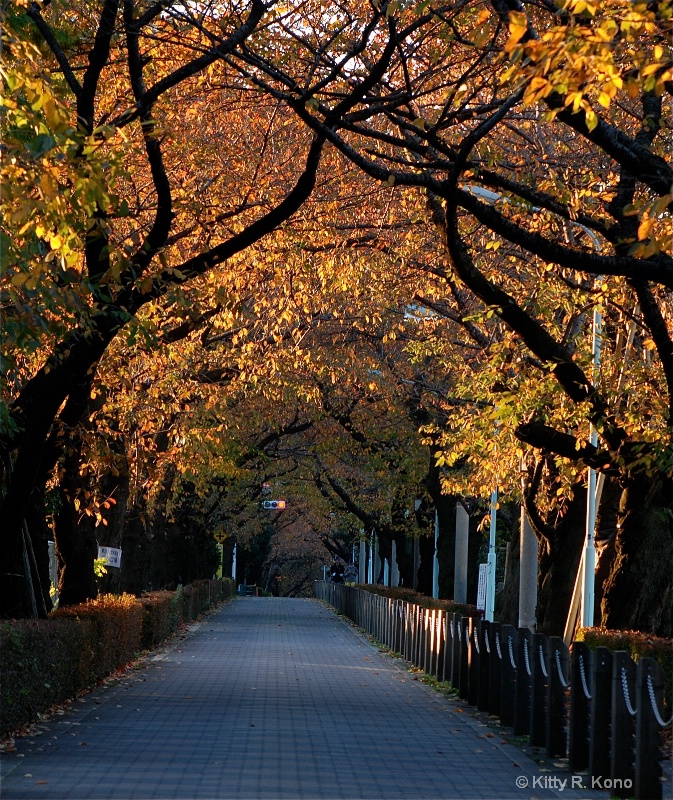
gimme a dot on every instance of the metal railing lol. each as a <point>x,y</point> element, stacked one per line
<point>598,708</point>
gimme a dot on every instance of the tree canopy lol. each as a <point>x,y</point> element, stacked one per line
<point>358,250</point>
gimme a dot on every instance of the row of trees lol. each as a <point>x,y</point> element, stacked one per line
<point>352,251</point>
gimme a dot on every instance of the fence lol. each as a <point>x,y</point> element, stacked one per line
<point>598,708</point>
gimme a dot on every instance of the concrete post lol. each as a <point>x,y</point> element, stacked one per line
<point>363,562</point>
<point>460,570</point>
<point>386,572</point>
<point>370,562</point>
<point>394,569</point>
<point>527,574</point>
<point>377,560</point>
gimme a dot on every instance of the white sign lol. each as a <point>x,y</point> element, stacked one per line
<point>481,586</point>
<point>112,556</point>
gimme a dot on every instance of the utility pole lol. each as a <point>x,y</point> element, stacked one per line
<point>589,577</point>
<point>491,560</point>
<point>435,562</point>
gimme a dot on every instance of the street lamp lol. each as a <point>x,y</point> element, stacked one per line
<point>589,569</point>
<point>491,560</point>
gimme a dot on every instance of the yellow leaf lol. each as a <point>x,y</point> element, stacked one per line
<point>518,25</point>
<point>591,118</point>
<point>645,227</point>
<point>648,69</point>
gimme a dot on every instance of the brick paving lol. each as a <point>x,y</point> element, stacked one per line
<point>272,698</point>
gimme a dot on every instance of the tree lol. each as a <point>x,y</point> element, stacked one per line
<point>560,166</point>
<point>136,238</point>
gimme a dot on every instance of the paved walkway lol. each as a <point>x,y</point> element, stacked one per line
<point>272,698</point>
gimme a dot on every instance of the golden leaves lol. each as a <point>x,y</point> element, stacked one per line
<point>587,59</point>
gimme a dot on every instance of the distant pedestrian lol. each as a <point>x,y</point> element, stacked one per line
<point>351,574</point>
<point>337,571</point>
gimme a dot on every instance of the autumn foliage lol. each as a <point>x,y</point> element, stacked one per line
<point>356,255</point>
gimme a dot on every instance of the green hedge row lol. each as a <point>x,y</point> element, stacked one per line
<point>400,593</point>
<point>47,662</point>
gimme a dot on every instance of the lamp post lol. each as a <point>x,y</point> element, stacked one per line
<point>491,560</point>
<point>435,561</point>
<point>589,555</point>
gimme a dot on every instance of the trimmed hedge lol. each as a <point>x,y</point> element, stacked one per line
<point>47,662</point>
<point>410,596</point>
<point>637,645</point>
<point>113,626</point>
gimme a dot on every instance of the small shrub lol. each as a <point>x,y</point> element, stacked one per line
<point>637,645</point>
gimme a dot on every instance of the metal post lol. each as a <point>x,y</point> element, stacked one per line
<point>233,563</point>
<point>491,561</point>
<point>622,724</point>
<point>435,562</point>
<point>601,700</point>
<point>580,704</point>
<point>522,689</point>
<point>363,562</point>
<point>508,670</point>
<point>557,742</point>
<point>589,544</point>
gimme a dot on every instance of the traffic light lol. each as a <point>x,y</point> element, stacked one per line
<point>274,504</point>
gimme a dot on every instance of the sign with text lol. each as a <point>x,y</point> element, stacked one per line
<point>481,587</point>
<point>112,556</point>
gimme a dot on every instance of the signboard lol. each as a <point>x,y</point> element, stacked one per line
<point>112,556</point>
<point>481,587</point>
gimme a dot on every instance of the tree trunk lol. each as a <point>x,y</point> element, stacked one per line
<point>117,489</point>
<point>76,546</point>
<point>559,562</point>
<point>507,601</point>
<point>638,593</point>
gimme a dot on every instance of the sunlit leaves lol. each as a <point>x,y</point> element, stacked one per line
<point>591,56</point>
